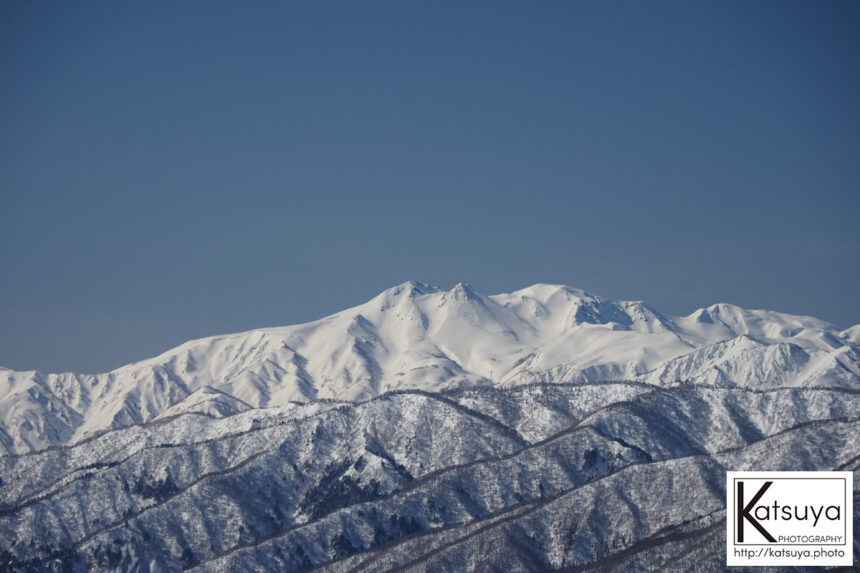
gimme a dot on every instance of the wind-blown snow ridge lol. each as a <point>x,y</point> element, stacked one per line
<point>422,337</point>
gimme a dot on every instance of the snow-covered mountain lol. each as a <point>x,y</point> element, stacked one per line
<point>415,336</point>
<point>426,430</point>
<point>611,476</point>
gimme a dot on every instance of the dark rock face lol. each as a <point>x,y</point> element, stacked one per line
<point>612,476</point>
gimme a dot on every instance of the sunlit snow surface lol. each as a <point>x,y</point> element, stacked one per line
<point>425,429</point>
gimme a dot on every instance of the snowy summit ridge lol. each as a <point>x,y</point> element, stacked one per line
<point>426,430</point>
<point>416,336</point>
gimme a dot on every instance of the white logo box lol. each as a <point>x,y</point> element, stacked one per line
<point>789,518</point>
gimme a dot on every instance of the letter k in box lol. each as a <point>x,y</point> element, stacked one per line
<point>789,518</point>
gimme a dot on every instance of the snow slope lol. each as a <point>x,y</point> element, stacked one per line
<point>415,336</point>
<point>426,430</point>
<point>614,476</point>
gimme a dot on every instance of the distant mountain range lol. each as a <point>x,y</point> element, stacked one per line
<point>426,429</point>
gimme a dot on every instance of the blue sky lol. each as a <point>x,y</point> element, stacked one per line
<point>180,169</point>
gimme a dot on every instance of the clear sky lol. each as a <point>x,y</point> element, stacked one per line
<point>182,169</point>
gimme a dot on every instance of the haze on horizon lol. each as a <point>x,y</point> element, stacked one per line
<point>172,171</point>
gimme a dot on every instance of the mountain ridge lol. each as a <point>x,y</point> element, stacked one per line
<point>606,466</point>
<point>415,335</point>
<point>426,429</point>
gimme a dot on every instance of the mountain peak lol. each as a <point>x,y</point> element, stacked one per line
<point>464,291</point>
<point>412,289</point>
<point>414,335</point>
<point>544,291</point>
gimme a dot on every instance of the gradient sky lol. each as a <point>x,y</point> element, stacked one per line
<point>181,169</point>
